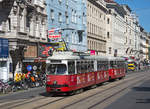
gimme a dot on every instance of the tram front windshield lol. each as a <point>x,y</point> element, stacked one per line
<point>56,69</point>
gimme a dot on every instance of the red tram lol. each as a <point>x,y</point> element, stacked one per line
<point>68,72</point>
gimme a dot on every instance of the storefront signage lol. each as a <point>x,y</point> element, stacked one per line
<point>43,50</point>
<point>54,34</point>
<point>92,52</point>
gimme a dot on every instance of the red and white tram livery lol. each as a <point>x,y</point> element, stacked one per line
<point>68,71</point>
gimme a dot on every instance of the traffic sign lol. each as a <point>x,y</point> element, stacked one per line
<point>34,67</point>
<point>29,68</point>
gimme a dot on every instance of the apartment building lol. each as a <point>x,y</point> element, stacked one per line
<point>23,23</point>
<point>116,27</point>
<point>67,20</point>
<point>96,27</point>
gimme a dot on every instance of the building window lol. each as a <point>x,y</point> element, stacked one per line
<point>108,21</point>
<point>109,50</point>
<point>67,38</point>
<point>72,35</point>
<point>60,1</point>
<point>9,24</point>
<point>67,3</point>
<point>75,17</point>
<point>60,17</point>
<point>80,36</point>
<point>52,14</point>
<point>28,23</point>
<point>108,35</point>
<point>83,19</point>
<point>67,20</point>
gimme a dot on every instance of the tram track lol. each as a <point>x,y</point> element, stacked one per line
<point>103,91</point>
<point>114,94</point>
<point>27,101</point>
<point>64,107</point>
<point>19,103</point>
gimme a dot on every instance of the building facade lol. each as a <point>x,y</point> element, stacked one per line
<point>67,22</point>
<point>96,24</point>
<point>144,39</point>
<point>123,31</point>
<point>23,23</point>
<point>116,27</point>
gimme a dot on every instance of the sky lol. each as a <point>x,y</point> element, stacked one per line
<point>142,10</point>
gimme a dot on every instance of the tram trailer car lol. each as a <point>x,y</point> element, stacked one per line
<point>68,72</point>
<point>117,68</point>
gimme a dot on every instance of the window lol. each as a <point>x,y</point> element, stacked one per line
<point>67,3</point>
<point>72,16</point>
<point>71,67</point>
<point>102,65</point>
<point>56,69</point>
<point>60,17</point>
<point>67,38</point>
<point>78,67</point>
<point>80,34</point>
<point>72,35</point>
<point>90,66</point>
<point>9,24</point>
<point>67,18</point>
<point>108,20</point>
<point>3,64</point>
<point>109,50</point>
<point>83,19</point>
<point>75,17</point>
<point>60,1</point>
<point>108,35</point>
<point>52,14</point>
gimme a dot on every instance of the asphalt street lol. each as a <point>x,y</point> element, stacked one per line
<point>120,94</point>
<point>137,98</point>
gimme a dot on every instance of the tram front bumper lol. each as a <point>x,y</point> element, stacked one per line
<point>57,88</point>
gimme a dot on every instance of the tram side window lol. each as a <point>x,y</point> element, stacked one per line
<point>78,67</point>
<point>111,64</point>
<point>115,64</point>
<point>83,67</point>
<point>122,64</point>
<point>90,66</point>
<point>98,65</point>
<point>106,65</point>
<point>71,67</point>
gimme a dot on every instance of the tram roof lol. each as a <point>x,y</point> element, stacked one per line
<point>116,58</point>
<point>70,55</point>
<point>75,56</point>
<point>63,56</point>
<point>103,58</point>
